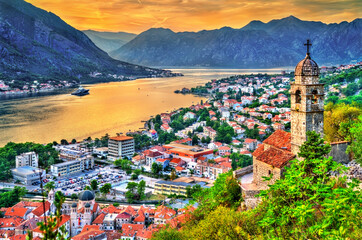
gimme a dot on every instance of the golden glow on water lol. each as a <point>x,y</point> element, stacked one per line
<point>110,108</point>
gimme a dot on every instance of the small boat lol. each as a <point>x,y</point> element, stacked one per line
<point>81,91</point>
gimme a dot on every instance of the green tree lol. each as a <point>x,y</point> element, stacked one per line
<point>190,191</point>
<point>94,185</point>
<point>10,198</point>
<point>195,140</point>
<point>234,164</point>
<point>106,188</point>
<point>156,169</point>
<point>141,189</point>
<point>130,194</point>
<point>338,120</point>
<point>49,186</point>
<point>173,174</point>
<point>74,196</point>
<point>308,203</point>
<point>356,140</point>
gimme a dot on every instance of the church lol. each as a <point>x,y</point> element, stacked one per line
<point>81,213</point>
<point>275,153</point>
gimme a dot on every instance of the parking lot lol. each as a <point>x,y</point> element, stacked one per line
<point>76,183</point>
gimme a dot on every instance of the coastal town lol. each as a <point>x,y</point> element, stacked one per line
<point>131,186</point>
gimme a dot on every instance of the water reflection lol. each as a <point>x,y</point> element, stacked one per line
<point>110,107</point>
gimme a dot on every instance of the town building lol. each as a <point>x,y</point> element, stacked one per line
<point>27,159</point>
<point>187,153</point>
<point>170,187</point>
<point>27,175</point>
<point>120,147</point>
<point>101,152</point>
<point>72,167</point>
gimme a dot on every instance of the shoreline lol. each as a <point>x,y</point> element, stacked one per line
<point>48,92</point>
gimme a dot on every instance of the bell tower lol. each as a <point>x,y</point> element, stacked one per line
<point>307,101</point>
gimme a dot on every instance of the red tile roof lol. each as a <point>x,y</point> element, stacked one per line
<point>65,218</point>
<point>249,140</point>
<point>130,211</point>
<point>113,235</point>
<point>275,157</point>
<point>121,138</point>
<point>10,222</point>
<point>6,233</point>
<point>24,204</point>
<point>164,212</point>
<point>88,232</point>
<point>279,139</point>
<point>39,211</point>
<point>124,215</point>
<point>16,212</point>
<point>99,219</point>
<point>140,218</point>
<point>129,230</point>
<point>259,150</point>
<point>226,164</point>
<point>19,237</point>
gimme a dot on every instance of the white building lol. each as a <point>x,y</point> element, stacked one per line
<point>72,167</point>
<point>27,174</point>
<point>27,159</point>
<point>120,147</point>
<point>101,152</point>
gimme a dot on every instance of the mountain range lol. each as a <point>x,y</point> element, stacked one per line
<point>257,45</point>
<point>38,44</point>
<point>109,41</point>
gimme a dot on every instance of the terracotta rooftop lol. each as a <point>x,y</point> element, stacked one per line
<point>39,211</point>
<point>10,222</point>
<point>129,230</point>
<point>23,204</point>
<point>279,139</point>
<point>275,157</point>
<point>16,212</point>
<point>121,138</point>
<point>99,219</point>
<point>124,215</point>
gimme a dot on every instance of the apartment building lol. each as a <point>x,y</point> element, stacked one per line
<point>120,147</point>
<point>170,187</point>
<point>72,167</point>
<point>27,159</point>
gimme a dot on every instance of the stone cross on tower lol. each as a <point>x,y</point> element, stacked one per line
<point>308,44</point>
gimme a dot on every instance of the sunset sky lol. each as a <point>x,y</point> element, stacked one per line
<point>192,15</point>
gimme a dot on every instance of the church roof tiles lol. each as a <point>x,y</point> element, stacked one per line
<point>275,157</point>
<point>279,139</point>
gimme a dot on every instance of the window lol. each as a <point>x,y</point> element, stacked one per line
<point>298,97</point>
<point>314,97</point>
<point>269,172</point>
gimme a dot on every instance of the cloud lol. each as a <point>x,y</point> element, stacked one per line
<point>192,15</point>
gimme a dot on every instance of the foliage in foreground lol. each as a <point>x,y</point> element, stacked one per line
<point>308,203</point>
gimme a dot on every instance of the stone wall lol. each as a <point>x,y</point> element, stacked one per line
<point>243,171</point>
<point>338,152</point>
<point>261,170</point>
<point>250,199</point>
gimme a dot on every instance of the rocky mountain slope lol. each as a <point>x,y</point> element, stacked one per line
<point>38,44</point>
<point>109,41</point>
<point>257,45</point>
